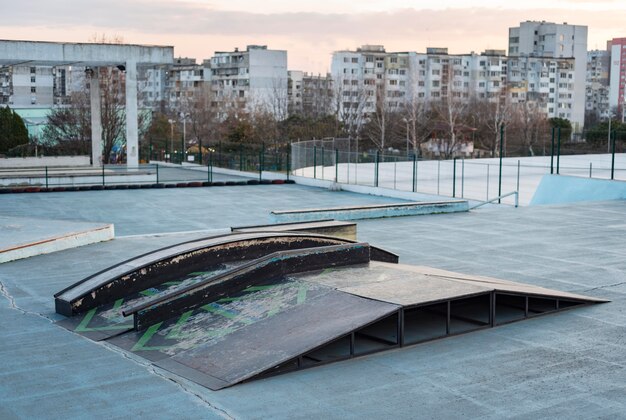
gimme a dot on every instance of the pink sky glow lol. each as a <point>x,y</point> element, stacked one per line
<point>309,31</point>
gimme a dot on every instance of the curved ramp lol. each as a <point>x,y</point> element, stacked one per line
<point>292,308</point>
<point>173,262</point>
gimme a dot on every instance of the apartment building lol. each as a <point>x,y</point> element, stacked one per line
<point>550,40</point>
<point>252,79</point>
<point>294,92</point>
<point>597,84</point>
<point>369,75</point>
<point>617,101</point>
<point>27,86</point>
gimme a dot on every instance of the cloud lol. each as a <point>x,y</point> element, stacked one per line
<point>302,33</point>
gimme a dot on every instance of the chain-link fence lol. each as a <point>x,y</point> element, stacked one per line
<point>477,179</point>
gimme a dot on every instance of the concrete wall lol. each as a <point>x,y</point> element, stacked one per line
<point>42,161</point>
<point>556,189</point>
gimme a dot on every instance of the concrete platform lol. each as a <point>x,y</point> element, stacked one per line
<point>26,237</point>
<point>569,365</point>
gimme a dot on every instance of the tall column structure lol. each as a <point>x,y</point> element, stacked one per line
<point>132,132</point>
<point>96,118</point>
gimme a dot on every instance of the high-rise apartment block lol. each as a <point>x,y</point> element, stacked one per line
<point>617,100</point>
<point>597,89</point>
<point>309,94</point>
<point>556,41</point>
<point>252,79</point>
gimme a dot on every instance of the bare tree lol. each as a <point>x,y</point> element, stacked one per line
<point>112,103</point>
<point>490,115</point>
<point>417,114</point>
<point>449,115</point>
<point>350,102</point>
<point>529,124</point>
<point>68,129</point>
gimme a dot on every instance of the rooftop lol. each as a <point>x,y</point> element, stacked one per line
<point>567,364</point>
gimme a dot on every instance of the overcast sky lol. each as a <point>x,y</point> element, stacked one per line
<point>309,30</point>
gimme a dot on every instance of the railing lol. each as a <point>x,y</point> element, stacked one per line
<point>498,199</point>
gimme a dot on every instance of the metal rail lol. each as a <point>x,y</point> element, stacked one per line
<point>516,193</point>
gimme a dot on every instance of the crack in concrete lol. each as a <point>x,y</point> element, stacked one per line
<point>603,287</point>
<point>4,291</point>
<point>156,371</point>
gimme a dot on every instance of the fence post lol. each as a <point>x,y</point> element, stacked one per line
<point>488,182</point>
<point>414,172</point>
<point>241,157</point>
<point>613,156</point>
<point>517,189</point>
<point>46,177</point>
<point>558,151</point>
<point>200,151</point>
<point>336,165</point>
<point>454,177</point>
<point>260,166</point>
<point>103,174</point>
<point>209,167</point>
<point>590,165</point>
<point>438,174</point>
<point>157,173</point>
<point>552,153</point>
<point>288,162</point>
<point>462,178</point>
<point>501,152</point>
<point>376,168</point>
<point>323,162</point>
<point>315,162</point>
<point>395,167</point>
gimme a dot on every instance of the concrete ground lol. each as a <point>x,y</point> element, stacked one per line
<point>566,365</point>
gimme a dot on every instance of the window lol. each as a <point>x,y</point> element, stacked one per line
<point>33,89</point>
<point>393,60</point>
<point>379,65</point>
<point>32,79</point>
<point>436,72</point>
<point>33,70</point>
<point>369,58</point>
<point>435,83</point>
<point>355,59</point>
<point>393,82</point>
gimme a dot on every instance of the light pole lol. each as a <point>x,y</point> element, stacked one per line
<point>184,117</point>
<point>406,120</point>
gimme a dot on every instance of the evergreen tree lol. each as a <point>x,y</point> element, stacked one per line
<point>13,131</point>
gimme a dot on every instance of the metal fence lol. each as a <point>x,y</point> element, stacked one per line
<point>477,179</point>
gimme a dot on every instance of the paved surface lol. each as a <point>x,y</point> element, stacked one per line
<point>150,211</point>
<point>20,231</point>
<point>192,173</point>
<point>567,365</point>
